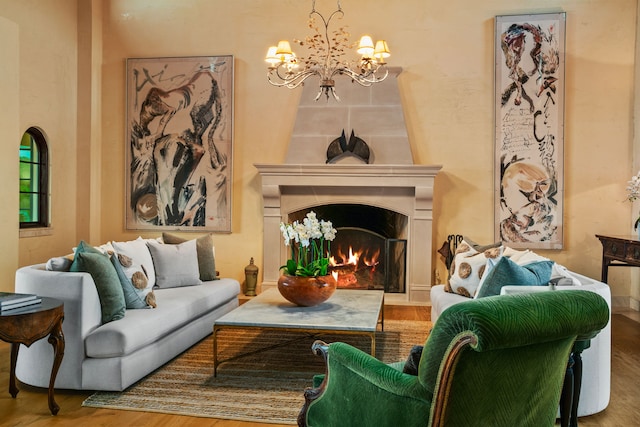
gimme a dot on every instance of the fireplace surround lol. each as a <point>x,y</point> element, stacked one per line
<point>406,189</point>
<point>388,179</point>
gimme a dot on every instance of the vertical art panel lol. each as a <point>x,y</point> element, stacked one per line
<point>529,132</point>
<point>179,143</point>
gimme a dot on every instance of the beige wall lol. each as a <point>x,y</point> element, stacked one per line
<point>446,51</point>
<point>45,96</point>
<point>9,131</point>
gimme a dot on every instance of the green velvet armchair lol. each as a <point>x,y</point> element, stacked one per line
<point>495,361</point>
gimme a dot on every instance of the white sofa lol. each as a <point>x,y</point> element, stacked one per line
<point>596,377</point>
<point>114,355</point>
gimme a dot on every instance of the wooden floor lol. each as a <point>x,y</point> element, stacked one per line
<point>30,407</point>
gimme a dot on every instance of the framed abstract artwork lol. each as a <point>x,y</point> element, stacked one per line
<point>529,130</point>
<point>179,143</point>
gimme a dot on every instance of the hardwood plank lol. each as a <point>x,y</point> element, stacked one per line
<point>30,407</point>
<point>623,409</point>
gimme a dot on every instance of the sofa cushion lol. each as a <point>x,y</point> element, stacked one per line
<point>176,265</point>
<point>468,268</point>
<point>137,250</point>
<point>206,254</point>
<point>506,272</point>
<point>112,303</point>
<point>176,307</point>
<point>83,247</point>
<point>60,263</point>
<point>132,298</point>
<point>478,247</point>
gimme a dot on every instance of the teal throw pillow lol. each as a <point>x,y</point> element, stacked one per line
<point>83,247</point>
<point>506,272</point>
<point>104,276</point>
<point>131,298</point>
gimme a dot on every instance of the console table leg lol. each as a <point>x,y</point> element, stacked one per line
<point>604,274</point>
<point>13,389</point>
<point>56,339</point>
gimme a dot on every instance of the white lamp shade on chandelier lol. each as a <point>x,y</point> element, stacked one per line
<point>325,59</point>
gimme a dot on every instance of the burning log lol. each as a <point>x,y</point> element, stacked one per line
<point>354,272</point>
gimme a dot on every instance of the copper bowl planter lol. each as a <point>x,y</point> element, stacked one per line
<point>306,291</point>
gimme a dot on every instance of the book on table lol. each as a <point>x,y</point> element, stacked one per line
<point>9,300</point>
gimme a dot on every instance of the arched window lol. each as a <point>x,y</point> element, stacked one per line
<point>34,180</point>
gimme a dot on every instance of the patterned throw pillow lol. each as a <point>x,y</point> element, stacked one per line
<point>468,268</point>
<point>135,297</point>
<point>139,254</point>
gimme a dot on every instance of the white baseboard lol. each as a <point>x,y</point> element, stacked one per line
<point>625,302</point>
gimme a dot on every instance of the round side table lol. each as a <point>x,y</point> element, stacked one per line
<point>29,324</point>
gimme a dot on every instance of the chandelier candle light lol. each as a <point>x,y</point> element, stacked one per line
<point>326,58</point>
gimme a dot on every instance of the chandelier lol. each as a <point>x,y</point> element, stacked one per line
<point>327,58</point>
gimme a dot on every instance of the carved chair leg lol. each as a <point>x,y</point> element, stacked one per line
<point>319,348</point>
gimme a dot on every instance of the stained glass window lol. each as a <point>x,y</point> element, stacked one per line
<point>33,180</point>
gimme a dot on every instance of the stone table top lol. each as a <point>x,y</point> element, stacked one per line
<point>346,310</point>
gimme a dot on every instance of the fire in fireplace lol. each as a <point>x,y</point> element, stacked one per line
<point>368,251</point>
<point>360,267</point>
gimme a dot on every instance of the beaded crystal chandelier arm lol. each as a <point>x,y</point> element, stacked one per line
<point>325,59</point>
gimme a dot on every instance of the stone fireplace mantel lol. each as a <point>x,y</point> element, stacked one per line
<point>404,188</point>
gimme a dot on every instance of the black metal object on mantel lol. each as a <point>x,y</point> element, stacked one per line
<point>356,147</point>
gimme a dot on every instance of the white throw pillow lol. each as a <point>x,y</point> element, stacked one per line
<point>176,265</point>
<point>527,257</point>
<point>62,263</point>
<point>138,251</point>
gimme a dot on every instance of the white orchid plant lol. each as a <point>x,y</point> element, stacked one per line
<point>633,193</point>
<point>307,242</point>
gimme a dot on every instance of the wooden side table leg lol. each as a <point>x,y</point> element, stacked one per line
<point>56,339</point>
<point>13,389</point>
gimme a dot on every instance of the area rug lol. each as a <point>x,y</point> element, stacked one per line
<point>262,381</point>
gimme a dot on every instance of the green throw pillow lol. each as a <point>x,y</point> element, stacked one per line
<point>112,302</point>
<point>204,249</point>
<point>131,298</point>
<point>83,247</point>
<point>506,272</point>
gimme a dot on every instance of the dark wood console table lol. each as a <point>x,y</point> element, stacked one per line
<point>28,325</point>
<point>619,251</point>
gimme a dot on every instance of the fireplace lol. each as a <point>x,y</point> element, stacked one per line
<point>369,251</point>
<point>351,190</point>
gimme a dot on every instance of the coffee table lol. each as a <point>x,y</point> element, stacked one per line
<point>348,312</point>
